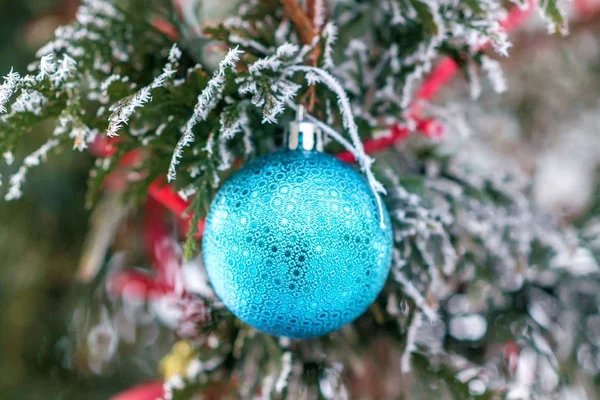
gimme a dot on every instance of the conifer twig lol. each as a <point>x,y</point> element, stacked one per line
<point>305,22</point>
<point>293,10</point>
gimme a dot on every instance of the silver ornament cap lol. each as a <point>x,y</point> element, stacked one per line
<point>303,134</point>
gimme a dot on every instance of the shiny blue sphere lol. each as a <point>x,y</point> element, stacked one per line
<point>293,244</point>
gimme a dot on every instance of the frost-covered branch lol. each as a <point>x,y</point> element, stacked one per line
<point>8,88</point>
<point>207,101</point>
<point>122,111</point>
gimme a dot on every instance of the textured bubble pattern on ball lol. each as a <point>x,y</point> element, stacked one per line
<point>293,244</point>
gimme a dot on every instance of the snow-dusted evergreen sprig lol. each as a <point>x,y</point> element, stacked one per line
<point>8,88</point>
<point>413,293</point>
<point>231,124</point>
<point>124,109</point>
<point>207,101</point>
<point>314,75</point>
<point>286,369</point>
<point>330,33</point>
<point>411,339</point>
<point>390,71</point>
<point>34,159</point>
<point>93,17</point>
<point>267,84</point>
<point>553,12</point>
<point>30,99</point>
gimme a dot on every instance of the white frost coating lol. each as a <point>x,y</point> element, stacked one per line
<point>123,110</point>
<point>207,101</point>
<point>9,157</point>
<point>494,73</point>
<point>330,33</point>
<point>102,8</point>
<point>34,159</point>
<point>432,268</point>
<point>29,101</point>
<point>579,261</point>
<point>275,61</point>
<point>250,43</point>
<point>93,14</point>
<point>228,131</point>
<point>283,30</point>
<point>248,146</point>
<point>520,388</point>
<point>8,88</point>
<point>320,15</point>
<point>410,290</point>
<point>397,17</point>
<point>47,67</point>
<point>271,94</point>
<point>64,70</point>
<point>318,74</point>
<point>15,182</point>
<point>286,369</point>
<point>331,384</point>
<point>267,387</point>
<point>411,345</point>
<point>287,91</point>
<point>224,153</point>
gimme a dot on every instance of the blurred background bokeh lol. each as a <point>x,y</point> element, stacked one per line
<point>41,239</point>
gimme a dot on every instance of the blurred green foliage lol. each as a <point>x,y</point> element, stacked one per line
<point>41,237</point>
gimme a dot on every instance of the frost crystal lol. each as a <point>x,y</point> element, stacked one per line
<point>330,33</point>
<point>32,160</point>
<point>11,82</point>
<point>207,100</point>
<point>123,110</point>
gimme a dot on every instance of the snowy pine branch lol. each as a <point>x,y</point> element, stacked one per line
<point>122,111</point>
<point>207,101</point>
<point>8,88</point>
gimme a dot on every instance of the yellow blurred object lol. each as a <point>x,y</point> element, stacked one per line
<point>178,360</point>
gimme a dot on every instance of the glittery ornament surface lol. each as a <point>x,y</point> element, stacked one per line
<point>293,245</point>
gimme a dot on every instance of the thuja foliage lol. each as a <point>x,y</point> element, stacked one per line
<point>476,269</point>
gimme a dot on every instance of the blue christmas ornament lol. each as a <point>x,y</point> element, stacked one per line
<point>293,244</point>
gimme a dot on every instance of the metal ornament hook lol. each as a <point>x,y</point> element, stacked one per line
<point>303,134</point>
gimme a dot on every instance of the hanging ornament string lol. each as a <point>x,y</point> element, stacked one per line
<point>315,75</point>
